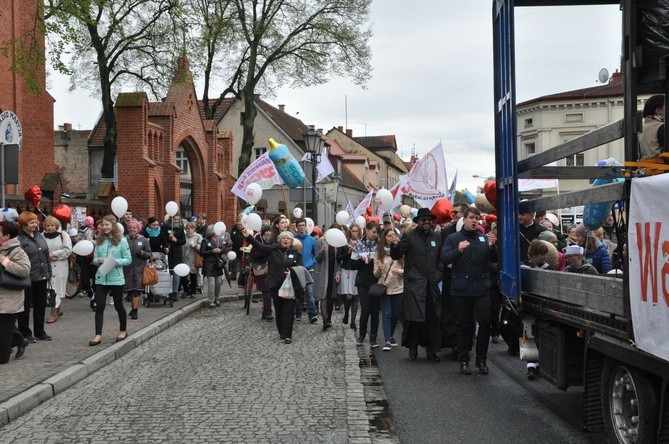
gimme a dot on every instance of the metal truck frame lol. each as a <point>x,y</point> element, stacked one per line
<point>583,323</point>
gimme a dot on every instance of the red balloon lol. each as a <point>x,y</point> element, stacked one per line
<point>443,211</point>
<point>34,195</point>
<point>489,219</point>
<point>490,191</point>
<point>63,213</point>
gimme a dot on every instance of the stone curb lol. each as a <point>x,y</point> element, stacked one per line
<point>16,406</point>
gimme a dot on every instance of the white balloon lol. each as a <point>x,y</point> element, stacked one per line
<point>121,228</point>
<point>253,193</point>
<point>219,228</point>
<point>384,200</point>
<point>405,211</point>
<point>73,232</point>
<point>232,255</point>
<point>83,247</point>
<point>254,222</point>
<point>335,237</point>
<point>310,225</point>
<point>361,222</point>
<point>297,212</point>
<point>459,224</point>
<point>171,208</point>
<point>181,270</point>
<point>119,206</point>
<point>342,217</point>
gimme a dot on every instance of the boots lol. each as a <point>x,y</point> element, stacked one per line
<point>53,317</point>
<point>133,313</point>
<point>482,365</point>
<point>464,368</point>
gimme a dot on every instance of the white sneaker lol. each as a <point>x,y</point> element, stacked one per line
<point>387,347</point>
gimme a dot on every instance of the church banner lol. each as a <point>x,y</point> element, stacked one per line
<point>427,181</point>
<point>262,171</point>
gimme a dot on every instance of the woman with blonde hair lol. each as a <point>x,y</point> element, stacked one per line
<point>112,247</point>
<point>60,247</point>
<point>390,273</point>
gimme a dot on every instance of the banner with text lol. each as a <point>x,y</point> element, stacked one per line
<point>262,171</point>
<point>649,264</point>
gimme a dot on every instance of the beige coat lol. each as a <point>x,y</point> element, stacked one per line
<point>11,301</point>
<point>394,282</point>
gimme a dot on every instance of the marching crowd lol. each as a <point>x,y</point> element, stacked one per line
<point>439,280</point>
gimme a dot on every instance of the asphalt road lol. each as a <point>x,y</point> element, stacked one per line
<point>433,403</point>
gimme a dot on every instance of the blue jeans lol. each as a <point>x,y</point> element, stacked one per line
<point>311,304</point>
<point>391,304</point>
<point>176,280</point>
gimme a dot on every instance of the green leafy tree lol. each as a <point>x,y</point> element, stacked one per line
<point>106,44</point>
<point>272,43</point>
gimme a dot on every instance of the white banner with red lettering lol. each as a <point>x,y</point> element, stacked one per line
<point>427,181</point>
<point>262,171</point>
<point>648,243</point>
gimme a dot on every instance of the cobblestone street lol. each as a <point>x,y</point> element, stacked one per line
<point>216,376</point>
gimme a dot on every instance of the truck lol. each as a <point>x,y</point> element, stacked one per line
<point>605,334</point>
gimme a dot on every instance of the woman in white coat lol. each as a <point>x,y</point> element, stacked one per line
<point>60,247</point>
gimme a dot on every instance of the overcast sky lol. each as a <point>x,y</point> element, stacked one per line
<point>433,76</point>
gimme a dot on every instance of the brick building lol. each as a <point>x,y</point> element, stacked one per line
<point>167,152</point>
<point>35,110</point>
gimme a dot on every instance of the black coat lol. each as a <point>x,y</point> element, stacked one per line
<point>422,272</point>
<point>527,235</point>
<point>280,260</point>
<point>38,252</point>
<point>470,272</point>
<point>212,263</point>
<point>175,255</point>
<point>158,243</point>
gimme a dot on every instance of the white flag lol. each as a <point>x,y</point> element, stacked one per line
<point>362,207</point>
<point>396,190</point>
<point>324,168</point>
<point>451,190</point>
<point>427,180</point>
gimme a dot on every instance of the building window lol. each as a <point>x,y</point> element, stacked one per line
<point>259,151</point>
<point>529,123</point>
<point>182,161</point>
<point>573,117</point>
<point>575,160</point>
<point>530,149</point>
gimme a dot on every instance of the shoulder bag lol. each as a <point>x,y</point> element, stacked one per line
<point>149,274</point>
<point>199,260</point>
<point>11,281</point>
<point>379,290</point>
<point>260,269</point>
<point>50,296</point>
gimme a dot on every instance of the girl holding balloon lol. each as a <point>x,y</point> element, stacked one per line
<point>110,246</point>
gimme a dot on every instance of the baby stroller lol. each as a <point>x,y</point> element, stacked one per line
<point>163,289</point>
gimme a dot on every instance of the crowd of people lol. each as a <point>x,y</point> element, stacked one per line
<point>438,280</point>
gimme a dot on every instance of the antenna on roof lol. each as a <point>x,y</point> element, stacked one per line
<point>603,75</point>
<point>366,125</point>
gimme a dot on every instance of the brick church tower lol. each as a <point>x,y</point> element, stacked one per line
<point>35,110</point>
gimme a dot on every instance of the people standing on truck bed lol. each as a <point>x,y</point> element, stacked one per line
<point>470,252</point>
<point>653,127</point>
<point>529,230</point>
<point>576,263</point>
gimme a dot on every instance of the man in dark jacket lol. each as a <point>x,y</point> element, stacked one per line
<point>422,271</point>
<point>237,239</point>
<point>176,238</point>
<point>529,230</point>
<point>470,253</point>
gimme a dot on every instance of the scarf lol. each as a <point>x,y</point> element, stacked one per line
<point>151,232</point>
<point>53,235</point>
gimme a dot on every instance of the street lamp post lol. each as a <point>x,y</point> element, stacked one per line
<point>314,144</point>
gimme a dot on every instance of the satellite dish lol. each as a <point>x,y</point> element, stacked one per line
<point>603,75</point>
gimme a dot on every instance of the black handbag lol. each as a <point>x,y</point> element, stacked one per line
<point>50,297</point>
<point>379,290</point>
<point>13,282</point>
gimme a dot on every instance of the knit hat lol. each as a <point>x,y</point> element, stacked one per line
<point>285,234</point>
<point>25,218</point>
<point>548,236</point>
<point>88,221</point>
<point>573,250</point>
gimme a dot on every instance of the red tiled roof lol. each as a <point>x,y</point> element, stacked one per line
<point>376,142</point>
<point>221,109</point>
<point>612,89</point>
<point>349,180</point>
<point>293,126</point>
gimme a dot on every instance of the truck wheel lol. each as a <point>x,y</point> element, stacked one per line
<point>629,404</point>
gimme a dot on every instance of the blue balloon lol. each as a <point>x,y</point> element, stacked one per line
<point>469,196</point>
<point>595,214</point>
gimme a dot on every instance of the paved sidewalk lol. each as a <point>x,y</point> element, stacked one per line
<point>71,335</point>
<point>49,369</point>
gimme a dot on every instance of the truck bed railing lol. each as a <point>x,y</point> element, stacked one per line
<point>604,193</point>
